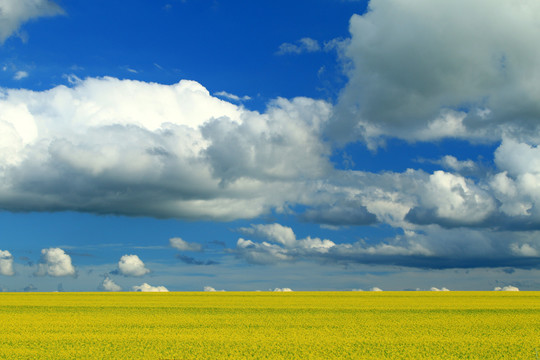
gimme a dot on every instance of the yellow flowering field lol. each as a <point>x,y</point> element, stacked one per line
<point>267,325</point>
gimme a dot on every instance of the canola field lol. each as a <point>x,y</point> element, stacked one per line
<point>266,325</point>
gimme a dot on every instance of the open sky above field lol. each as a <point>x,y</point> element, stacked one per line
<point>250,145</point>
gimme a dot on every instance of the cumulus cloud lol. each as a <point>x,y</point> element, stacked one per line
<point>211,289</point>
<point>452,163</point>
<point>276,232</point>
<point>437,289</point>
<point>182,245</point>
<point>131,265</point>
<point>109,285</point>
<point>136,148</point>
<point>149,288</point>
<point>524,250</point>
<point>276,250</point>
<point>6,263</point>
<point>282,290</point>
<point>506,288</point>
<point>423,70</point>
<point>452,200</point>
<point>375,289</point>
<point>13,13</point>
<point>55,262</point>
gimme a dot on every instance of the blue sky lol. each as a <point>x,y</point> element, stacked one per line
<point>313,145</point>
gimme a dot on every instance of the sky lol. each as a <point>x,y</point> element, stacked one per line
<point>200,145</point>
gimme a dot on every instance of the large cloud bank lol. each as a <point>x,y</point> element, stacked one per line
<point>425,70</point>
<point>128,147</point>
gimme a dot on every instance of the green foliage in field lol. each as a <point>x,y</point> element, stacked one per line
<point>393,325</point>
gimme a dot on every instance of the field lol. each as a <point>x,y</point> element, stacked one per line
<point>299,325</point>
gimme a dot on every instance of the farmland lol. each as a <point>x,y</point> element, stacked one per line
<point>302,325</point>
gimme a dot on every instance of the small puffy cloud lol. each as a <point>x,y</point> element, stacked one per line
<point>437,289</point>
<point>452,163</point>
<point>375,289</point>
<point>131,265</point>
<point>55,262</point>
<point>149,288</point>
<point>6,263</point>
<point>282,290</point>
<point>261,253</point>
<point>357,290</point>
<point>109,285</point>
<point>182,245</point>
<point>13,13</point>
<point>506,288</point>
<point>283,235</point>
<point>19,75</point>
<point>523,250</point>
<point>211,289</point>
<point>302,46</point>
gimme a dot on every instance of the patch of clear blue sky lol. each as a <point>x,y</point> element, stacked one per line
<point>227,46</point>
<point>399,155</point>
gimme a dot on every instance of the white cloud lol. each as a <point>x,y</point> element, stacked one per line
<point>302,46</point>
<point>375,289</point>
<point>55,262</point>
<point>283,235</point>
<point>506,288</point>
<point>135,148</point>
<point>131,265</point>
<point>425,70</point>
<point>452,163</point>
<point>437,289</point>
<point>19,75</point>
<point>149,288</point>
<point>323,250</point>
<point>517,186</point>
<point>282,290</point>
<point>524,250</point>
<point>454,199</point>
<point>261,253</point>
<point>6,263</point>
<point>109,285</point>
<point>232,96</point>
<point>13,13</point>
<point>211,289</point>
<point>182,245</point>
